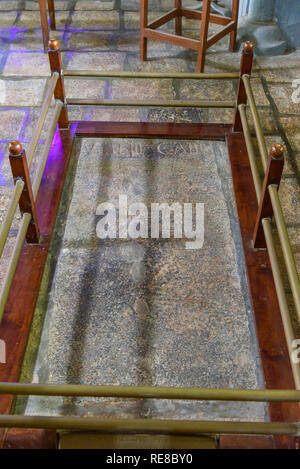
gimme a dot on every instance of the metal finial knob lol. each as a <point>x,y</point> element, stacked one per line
<point>53,44</point>
<point>15,148</point>
<point>248,47</point>
<point>277,151</point>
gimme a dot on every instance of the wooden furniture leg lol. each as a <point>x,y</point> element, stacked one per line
<point>51,9</point>
<point>178,20</point>
<point>203,36</point>
<point>235,16</point>
<point>44,21</point>
<point>143,25</point>
<point>150,30</point>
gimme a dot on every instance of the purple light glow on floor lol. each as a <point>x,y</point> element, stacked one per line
<point>53,153</point>
<point>12,37</point>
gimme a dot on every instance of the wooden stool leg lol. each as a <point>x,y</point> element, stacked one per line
<point>143,25</point>
<point>51,14</point>
<point>178,20</point>
<point>235,16</point>
<point>203,36</point>
<point>44,21</point>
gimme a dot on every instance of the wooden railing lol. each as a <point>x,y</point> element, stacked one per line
<point>268,206</point>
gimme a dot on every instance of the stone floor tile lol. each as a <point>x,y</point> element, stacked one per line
<point>207,90</point>
<point>101,20</point>
<point>30,20</point>
<point>11,123</point>
<point>84,88</point>
<point>281,75</point>
<point>4,260</point>
<point>129,41</point>
<point>142,89</point>
<point>7,19</point>
<point>62,18</point>
<point>59,5</point>
<point>113,114</point>
<point>94,5</point>
<point>95,61</point>
<point>158,64</point>
<point>225,116</point>
<point>282,95</point>
<point>10,5</point>
<point>132,18</point>
<point>289,193</point>
<point>87,40</point>
<point>167,5</point>
<point>27,64</point>
<point>130,5</point>
<point>294,234</point>
<point>287,61</point>
<point>174,115</point>
<point>27,92</point>
<point>291,126</point>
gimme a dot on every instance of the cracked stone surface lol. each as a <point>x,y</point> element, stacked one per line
<point>148,312</point>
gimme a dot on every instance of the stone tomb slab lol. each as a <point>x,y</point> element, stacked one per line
<point>146,311</point>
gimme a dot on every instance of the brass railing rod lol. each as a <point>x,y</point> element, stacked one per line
<point>151,392</point>
<point>281,295</point>
<point>7,222</point>
<point>257,124</point>
<point>151,103</point>
<point>182,427</point>
<point>286,247</point>
<point>284,240</point>
<point>161,75</point>
<point>47,145</point>
<point>40,123</point>
<point>251,152</point>
<point>13,262</point>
